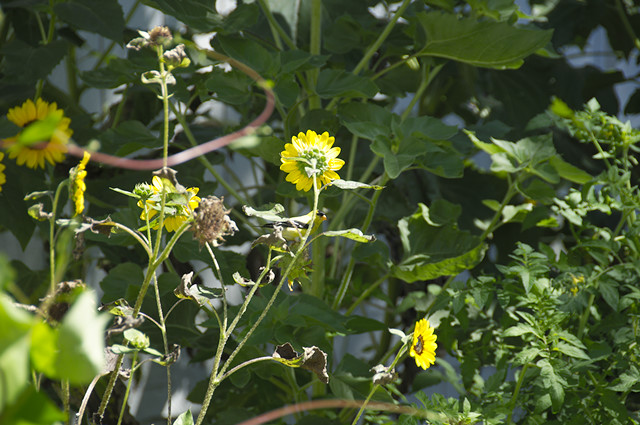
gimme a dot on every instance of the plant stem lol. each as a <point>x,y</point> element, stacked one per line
<point>163,330</point>
<point>214,381</point>
<point>375,46</point>
<point>344,284</point>
<point>65,400</point>
<point>126,394</point>
<point>52,243</point>
<point>276,29</point>
<point>514,397</point>
<point>401,352</point>
<point>366,294</point>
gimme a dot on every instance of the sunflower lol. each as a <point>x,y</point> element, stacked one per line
<point>77,185</point>
<point>54,148</point>
<point>310,156</point>
<point>3,178</point>
<point>178,207</point>
<point>423,346</point>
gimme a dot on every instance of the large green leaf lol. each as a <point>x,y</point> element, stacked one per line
<point>104,17</point>
<point>230,87</point>
<point>264,62</point>
<point>25,63</point>
<point>75,350</point>
<point>366,120</point>
<point>15,325</point>
<point>433,249</point>
<point>200,15</point>
<point>480,43</point>
<point>334,82</point>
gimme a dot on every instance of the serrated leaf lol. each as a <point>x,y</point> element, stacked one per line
<point>571,351</point>
<point>335,82</point>
<point>552,382</point>
<point>479,43</point>
<point>104,17</point>
<point>519,330</point>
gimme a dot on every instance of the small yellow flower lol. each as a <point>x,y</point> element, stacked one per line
<point>3,178</point>
<point>55,147</point>
<point>77,185</point>
<point>310,156</point>
<point>576,282</point>
<point>423,346</point>
<point>178,207</point>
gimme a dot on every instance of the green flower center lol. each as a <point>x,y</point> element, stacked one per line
<point>313,161</point>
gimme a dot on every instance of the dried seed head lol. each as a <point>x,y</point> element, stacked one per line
<point>212,222</point>
<point>160,36</point>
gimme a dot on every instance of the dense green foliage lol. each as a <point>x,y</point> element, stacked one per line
<point>488,186</point>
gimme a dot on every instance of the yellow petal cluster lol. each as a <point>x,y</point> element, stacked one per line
<point>51,150</point>
<point>78,186</point>
<point>423,346</point>
<point>179,207</point>
<point>310,156</point>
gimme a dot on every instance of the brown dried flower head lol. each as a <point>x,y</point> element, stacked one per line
<point>212,222</point>
<point>160,36</point>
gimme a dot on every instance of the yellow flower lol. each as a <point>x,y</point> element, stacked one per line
<point>423,347</point>
<point>178,207</point>
<point>54,149</point>
<point>308,156</point>
<point>77,185</point>
<point>3,178</point>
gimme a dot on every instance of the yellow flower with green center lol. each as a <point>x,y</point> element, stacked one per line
<point>178,207</point>
<point>423,346</point>
<point>52,150</point>
<point>77,185</point>
<point>3,178</point>
<point>310,156</point>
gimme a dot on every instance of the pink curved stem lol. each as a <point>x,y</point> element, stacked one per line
<point>196,151</point>
<point>324,404</point>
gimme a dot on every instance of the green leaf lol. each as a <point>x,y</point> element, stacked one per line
<point>366,120</point>
<point>360,324</point>
<point>569,172</point>
<point>350,185</point>
<point>250,53</point>
<point>104,17</point>
<point>272,214</point>
<point>339,83</point>
<point>479,43</point>
<point>200,15</point>
<point>115,285</point>
<point>553,383</point>
<point>39,131</point>
<point>25,63</point>
<point>519,330</point>
<point>185,418</point>
<point>15,325</point>
<point>432,251</point>
<point>487,147</point>
<point>231,87</point>
<point>32,408</point>
<point>354,234</point>
<point>571,351</point>
<point>129,137</point>
<point>80,355</point>
<point>609,291</point>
